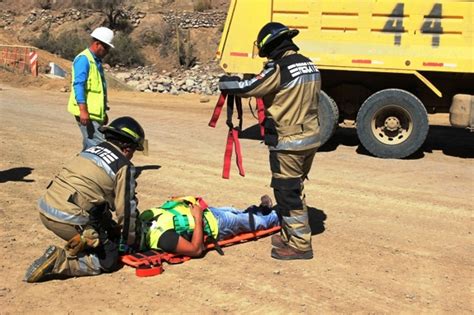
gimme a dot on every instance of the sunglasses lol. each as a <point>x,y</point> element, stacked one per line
<point>104,45</point>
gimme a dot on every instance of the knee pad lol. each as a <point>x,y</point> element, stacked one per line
<point>287,194</point>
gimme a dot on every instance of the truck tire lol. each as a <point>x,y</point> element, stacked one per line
<point>392,123</point>
<point>328,117</point>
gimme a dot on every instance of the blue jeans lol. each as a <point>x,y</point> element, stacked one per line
<point>233,222</point>
<point>91,136</point>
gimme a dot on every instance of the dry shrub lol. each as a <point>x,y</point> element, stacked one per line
<point>202,5</point>
<point>126,52</point>
<point>67,45</point>
<point>44,4</point>
<point>157,35</point>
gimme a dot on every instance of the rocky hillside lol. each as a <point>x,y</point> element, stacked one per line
<point>176,40</point>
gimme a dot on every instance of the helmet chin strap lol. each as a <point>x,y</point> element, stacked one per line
<point>128,152</point>
<point>282,47</point>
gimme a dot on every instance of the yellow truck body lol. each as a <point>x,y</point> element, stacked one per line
<point>420,49</point>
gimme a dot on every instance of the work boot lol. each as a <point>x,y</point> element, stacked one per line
<point>277,241</point>
<point>290,253</point>
<point>43,265</point>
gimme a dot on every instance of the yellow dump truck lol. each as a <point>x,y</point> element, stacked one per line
<point>384,64</point>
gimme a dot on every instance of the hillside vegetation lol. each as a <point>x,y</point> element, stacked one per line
<point>163,34</point>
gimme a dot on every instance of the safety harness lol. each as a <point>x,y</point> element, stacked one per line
<point>175,214</point>
<point>233,134</point>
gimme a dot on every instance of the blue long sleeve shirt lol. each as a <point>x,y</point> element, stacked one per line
<point>81,73</point>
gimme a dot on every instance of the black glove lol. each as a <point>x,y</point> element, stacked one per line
<point>114,230</point>
<point>271,135</point>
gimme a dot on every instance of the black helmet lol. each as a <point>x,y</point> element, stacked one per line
<point>268,35</point>
<point>125,129</point>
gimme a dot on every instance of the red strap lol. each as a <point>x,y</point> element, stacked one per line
<point>261,115</point>
<point>228,155</point>
<point>238,152</point>
<point>232,136</point>
<point>202,203</point>
<point>217,110</point>
<point>232,141</point>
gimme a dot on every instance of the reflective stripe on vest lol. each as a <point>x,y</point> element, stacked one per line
<point>94,92</point>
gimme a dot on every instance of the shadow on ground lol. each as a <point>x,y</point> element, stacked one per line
<point>451,141</point>
<point>16,174</point>
<point>140,169</point>
<point>316,220</point>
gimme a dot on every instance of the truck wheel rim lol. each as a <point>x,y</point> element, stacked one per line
<point>392,125</point>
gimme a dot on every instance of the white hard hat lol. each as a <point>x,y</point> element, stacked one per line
<point>104,34</point>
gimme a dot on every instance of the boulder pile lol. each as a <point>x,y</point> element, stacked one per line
<point>6,19</point>
<point>59,18</point>
<point>187,19</point>
<point>200,79</point>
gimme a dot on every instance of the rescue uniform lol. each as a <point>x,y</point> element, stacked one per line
<point>97,181</point>
<point>290,87</point>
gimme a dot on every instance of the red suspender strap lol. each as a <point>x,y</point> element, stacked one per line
<point>228,154</point>
<point>233,134</point>
<point>232,141</point>
<point>217,110</point>
<point>261,115</point>
<point>238,152</point>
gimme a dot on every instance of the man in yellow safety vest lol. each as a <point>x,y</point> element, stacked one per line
<point>88,99</point>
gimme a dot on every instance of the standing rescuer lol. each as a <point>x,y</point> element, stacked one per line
<point>79,202</point>
<point>290,87</point>
<point>88,98</point>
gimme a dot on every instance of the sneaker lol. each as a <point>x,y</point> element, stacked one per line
<point>290,253</point>
<point>277,241</point>
<point>266,201</point>
<point>42,266</point>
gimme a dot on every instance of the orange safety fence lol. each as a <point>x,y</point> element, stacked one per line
<point>19,58</point>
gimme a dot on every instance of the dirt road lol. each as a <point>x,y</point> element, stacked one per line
<point>391,235</point>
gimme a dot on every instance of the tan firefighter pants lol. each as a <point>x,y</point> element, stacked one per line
<point>84,264</point>
<point>289,170</point>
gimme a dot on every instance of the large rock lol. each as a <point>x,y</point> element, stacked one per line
<point>122,75</point>
<point>142,87</point>
<point>161,88</point>
<point>133,83</point>
<point>190,83</point>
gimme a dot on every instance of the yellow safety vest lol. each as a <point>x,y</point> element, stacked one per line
<point>94,92</point>
<point>175,214</point>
